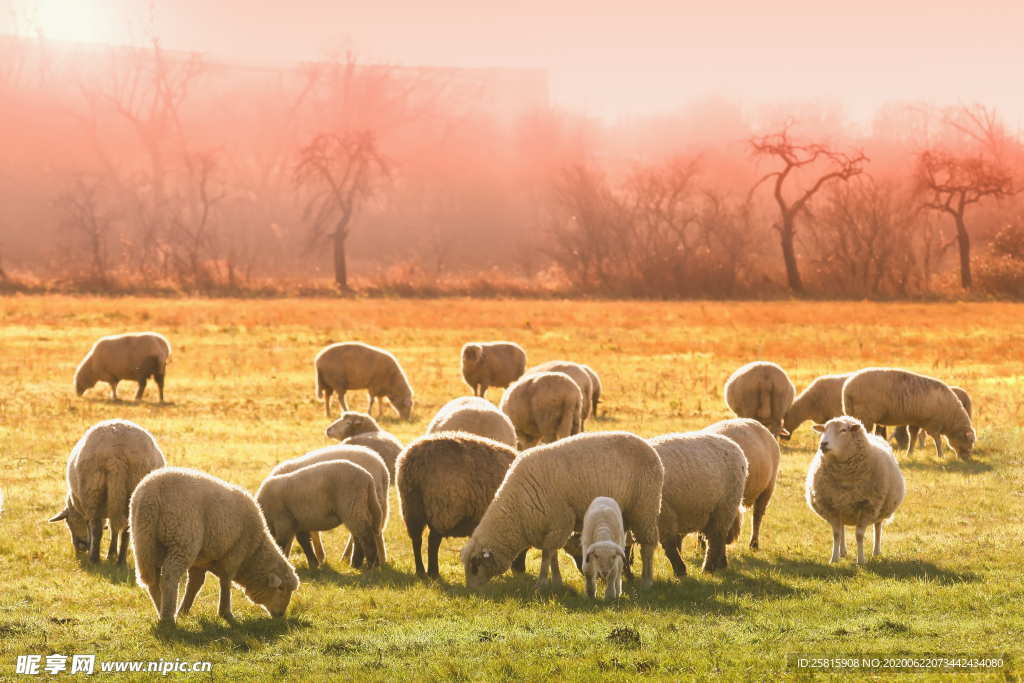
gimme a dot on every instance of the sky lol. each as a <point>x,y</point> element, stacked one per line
<point>606,59</point>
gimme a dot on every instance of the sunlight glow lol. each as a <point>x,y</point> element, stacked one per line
<point>76,20</point>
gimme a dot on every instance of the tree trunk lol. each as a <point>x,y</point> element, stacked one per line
<point>787,233</point>
<point>340,259</point>
<point>964,240</point>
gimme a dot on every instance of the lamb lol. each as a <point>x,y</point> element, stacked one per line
<point>183,520</point>
<point>890,396</point>
<point>492,364</point>
<point>603,541</point>
<point>704,479</point>
<point>545,496</point>
<point>360,455</point>
<point>320,497</point>
<point>819,402</point>
<point>134,356</point>
<point>359,429</point>
<point>104,468</point>
<point>543,407</point>
<point>902,434</point>
<point>762,391</point>
<point>853,480</point>
<point>579,375</point>
<point>445,483</point>
<point>595,389</point>
<point>353,365</point>
<point>762,453</point>
<point>475,416</point>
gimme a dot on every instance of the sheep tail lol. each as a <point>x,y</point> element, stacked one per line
<point>117,496</point>
<point>569,423</point>
<point>320,383</point>
<point>764,408</point>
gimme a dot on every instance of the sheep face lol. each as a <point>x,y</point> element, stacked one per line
<point>962,443</point>
<point>471,354</point>
<point>604,561</point>
<point>273,593</point>
<point>479,565</point>
<point>83,379</point>
<point>840,437</point>
<point>403,404</point>
<point>77,525</point>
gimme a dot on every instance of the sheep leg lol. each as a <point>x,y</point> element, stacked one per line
<point>318,545</point>
<point>224,608</point>
<point>415,529</point>
<point>937,438</point>
<point>327,401</point>
<point>112,549</point>
<point>95,537</point>
<point>341,398</point>
<point>556,573</point>
<point>349,552</point>
<point>519,563</point>
<point>122,554</point>
<point>878,539</point>
<point>860,543</point>
<point>837,541</point>
<point>307,547</point>
<point>647,558</point>
<point>921,439</point>
<point>613,589</point>
<point>592,586</point>
<point>159,377</point>
<point>170,574</point>
<point>433,545</point>
<point>760,505</point>
<point>196,578</point>
<point>842,541</point>
<point>910,446</point>
<point>113,390</point>
<point>671,546</point>
<point>359,552</point>
<point>143,380</point>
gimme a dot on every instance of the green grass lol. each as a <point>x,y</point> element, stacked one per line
<point>240,391</point>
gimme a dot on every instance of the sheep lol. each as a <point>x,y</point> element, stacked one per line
<point>445,483</point>
<point>183,520</point>
<point>902,434</point>
<point>492,364</point>
<point>134,356</point>
<point>819,402</point>
<point>762,453</point>
<point>595,389</point>
<point>704,478</point>
<point>103,469</point>
<point>854,479</point>
<point>353,365</point>
<point>603,541</point>
<point>891,396</point>
<point>547,491</point>
<point>543,407</point>
<point>360,455</point>
<point>579,375</point>
<point>359,429</point>
<point>760,390</point>
<point>476,416</point>
<point>320,497</point>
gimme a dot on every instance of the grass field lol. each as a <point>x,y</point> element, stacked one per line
<point>240,392</point>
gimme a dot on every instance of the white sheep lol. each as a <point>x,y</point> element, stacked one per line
<point>819,402</point>
<point>135,356</point>
<point>891,396</point>
<point>353,365</point>
<point>579,374</point>
<point>760,390</point>
<point>543,407</point>
<point>359,429</point>
<point>103,469</point>
<point>547,491</point>
<point>184,520</point>
<point>476,416</point>
<point>492,364</point>
<point>603,541</point>
<point>903,433</point>
<point>853,480</point>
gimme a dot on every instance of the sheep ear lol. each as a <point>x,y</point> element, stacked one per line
<point>273,580</point>
<point>63,514</point>
<point>819,428</point>
<point>854,428</point>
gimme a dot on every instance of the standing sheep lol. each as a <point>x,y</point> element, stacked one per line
<point>704,479</point>
<point>492,364</point>
<point>762,453</point>
<point>853,480</point>
<point>603,542</point>
<point>445,483</point>
<point>134,356</point>
<point>359,429</point>
<point>819,402</point>
<point>890,396</point>
<point>104,468</point>
<point>544,407</point>
<point>320,497</point>
<point>762,391</point>
<point>578,374</point>
<point>903,433</point>
<point>187,521</point>
<point>475,416</point>
<point>545,496</point>
<point>353,365</point>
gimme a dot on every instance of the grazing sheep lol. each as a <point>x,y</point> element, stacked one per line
<point>492,364</point>
<point>762,453</point>
<point>704,479</point>
<point>853,480</point>
<point>475,416</point>
<point>762,391</point>
<point>359,429</point>
<point>320,497</point>
<point>360,455</point>
<point>445,483</point>
<point>902,434</point>
<point>890,396</point>
<point>104,468</point>
<point>543,407</point>
<point>603,541</point>
<point>353,365</point>
<point>545,496</point>
<point>134,356</point>
<point>595,389</point>
<point>184,520</point>
<point>579,374</point>
<point>819,402</point>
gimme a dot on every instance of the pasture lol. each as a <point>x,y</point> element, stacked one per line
<point>240,399</point>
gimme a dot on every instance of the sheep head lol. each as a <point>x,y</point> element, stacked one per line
<point>77,525</point>
<point>841,437</point>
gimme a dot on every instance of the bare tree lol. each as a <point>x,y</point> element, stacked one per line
<point>87,223</point>
<point>796,158</point>
<point>340,172</point>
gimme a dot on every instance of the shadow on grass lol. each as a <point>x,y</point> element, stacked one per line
<point>918,569</point>
<point>108,569</point>
<point>244,634</point>
<point>383,577</point>
<point>953,465</point>
<point>845,569</point>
